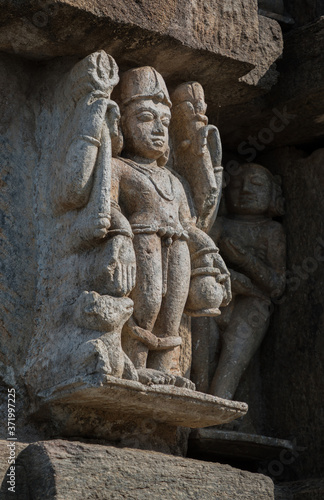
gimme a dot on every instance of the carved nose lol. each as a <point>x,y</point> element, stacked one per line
<point>246,186</point>
<point>158,128</point>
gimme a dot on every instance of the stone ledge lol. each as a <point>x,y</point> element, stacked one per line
<point>73,470</point>
<point>223,443</point>
<point>165,404</point>
<point>300,91</point>
<point>227,28</point>
<point>216,43</point>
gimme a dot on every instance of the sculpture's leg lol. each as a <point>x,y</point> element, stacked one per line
<point>173,303</point>
<point>241,339</point>
<point>147,294</point>
<point>147,297</point>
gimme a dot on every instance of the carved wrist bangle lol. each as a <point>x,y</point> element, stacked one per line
<point>204,251</point>
<point>218,169</point>
<point>91,140</point>
<point>205,271</point>
<point>121,232</point>
<point>100,94</point>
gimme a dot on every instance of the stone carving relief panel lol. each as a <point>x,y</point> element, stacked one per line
<point>127,188</point>
<point>254,248</point>
<point>123,214</point>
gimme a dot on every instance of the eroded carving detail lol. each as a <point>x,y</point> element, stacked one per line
<point>254,248</point>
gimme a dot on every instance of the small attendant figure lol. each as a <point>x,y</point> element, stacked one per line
<point>254,248</point>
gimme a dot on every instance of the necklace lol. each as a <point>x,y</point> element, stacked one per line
<point>167,193</point>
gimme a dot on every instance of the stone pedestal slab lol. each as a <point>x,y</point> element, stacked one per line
<point>74,470</point>
<point>131,414</point>
<point>166,404</point>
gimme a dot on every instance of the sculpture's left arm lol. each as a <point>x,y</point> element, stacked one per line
<point>203,251</point>
<point>268,272</point>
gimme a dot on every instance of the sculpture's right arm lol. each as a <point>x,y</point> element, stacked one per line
<point>75,167</point>
<point>122,263</point>
<point>84,103</point>
<point>202,248</point>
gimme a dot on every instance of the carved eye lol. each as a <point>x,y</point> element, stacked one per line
<point>166,121</point>
<point>257,181</point>
<point>145,116</point>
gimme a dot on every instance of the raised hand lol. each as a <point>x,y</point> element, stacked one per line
<point>97,73</point>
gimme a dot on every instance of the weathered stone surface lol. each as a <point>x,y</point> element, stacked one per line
<point>270,48</point>
<point>4,456</point>
<point>168,404</point>
<point>292,355</point>
<point>183,41</point>
<point>286,400</point>
<point>61,469</point>
<point>215,44</point>
<point>227,29</point>
<point>298,99</point>
<point>287,377</point>
<point>253,246</point>
<point>17,244</point>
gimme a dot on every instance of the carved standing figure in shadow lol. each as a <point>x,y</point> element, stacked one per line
<point>254,248</point>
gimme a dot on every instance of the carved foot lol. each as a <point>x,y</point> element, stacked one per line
<point>130,372</point>
<point>148,376</point>
<point>184,382</point>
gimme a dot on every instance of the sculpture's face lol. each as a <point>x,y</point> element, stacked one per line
<point>145,126</point>
<point>249,193</point>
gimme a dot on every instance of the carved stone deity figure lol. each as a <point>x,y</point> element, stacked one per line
<point>254,248</point>
<point>166,237</point>
<point>119,243</point>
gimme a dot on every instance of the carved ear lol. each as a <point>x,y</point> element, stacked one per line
<point>113,121</point>
<point>214,145</point>
<point>277,179</point>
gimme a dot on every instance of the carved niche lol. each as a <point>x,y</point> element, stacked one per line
<point>254,249</point>
<point>123,212</point>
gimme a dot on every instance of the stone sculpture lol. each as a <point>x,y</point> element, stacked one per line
<point>254,248</point>
<point>197,151</point>
<point>118,232</point>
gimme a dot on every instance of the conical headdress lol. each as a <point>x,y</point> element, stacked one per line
<point>141,83</point>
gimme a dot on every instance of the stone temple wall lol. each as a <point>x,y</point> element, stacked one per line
<point>97,366</point>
